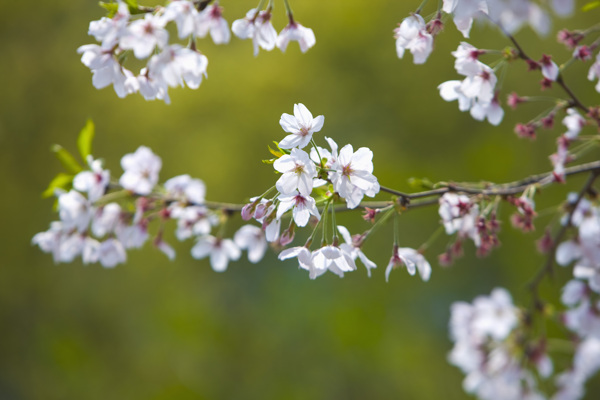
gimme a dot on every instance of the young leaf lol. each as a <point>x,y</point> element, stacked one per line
<point>66,159</point>
<point>591,5</point>
<point>60,181</point>
<point>275,152</point>
<point>84,141</point>
<point>112,8</point>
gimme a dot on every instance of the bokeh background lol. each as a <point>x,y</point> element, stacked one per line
<point>154,329</point>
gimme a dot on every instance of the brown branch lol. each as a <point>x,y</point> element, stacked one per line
<point>504,189</point>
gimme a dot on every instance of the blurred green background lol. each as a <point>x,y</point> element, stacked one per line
<point>154,329</point>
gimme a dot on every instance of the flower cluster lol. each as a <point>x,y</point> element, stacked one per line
<point>487,350</point>
<point>258,27</point>
<point>584,248</point>
<point>172,65</point>
<point>329,174</point>
<point>100,230</point>
<point>100,217</point>
<point>582,319</point>
<point>476,93</point>
<point>168,65</point>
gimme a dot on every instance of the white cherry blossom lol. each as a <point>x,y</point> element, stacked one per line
<point>331,258</point>
<point>412,35</point>
<point>141,170</point>
<point>258,27</point>
<point>144,35</point>
<point>111,252</point>
<point>93,182</point>
<point>176,64</point>
<point>251,238</point>
<point>109,30</point>
<point>184,14</point>
<point>352,175</point>
<point>353,250</point>
<point>211,20</point>
<point>298,33</point>
<point>301,125</point>
<point>303,207</point>
<point>549,68</point>
<point>75,211</point>
<point>480,86</point>
<point>192,220</point>
<point>574,123</point>
<point>463,12</point>
<point>490,111</point>
<point>459,215</point>
<point>297,171</point>
<point>594,72</point>
<point>467,59</point>
<point>220,251</point>
<point>106,70</point>
<point>186,189</point>
<point>411,259</point>
<point>106,219</point>
<point>304,257</point>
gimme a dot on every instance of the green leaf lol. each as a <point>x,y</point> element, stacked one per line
<point>84,141</point>
<point>271,161</point>
<point>591,5</point>
<point>66,159</point>
<point>132,3</point>
<point>60,181</point>
<point>112,8</point>
<point>275,152</point>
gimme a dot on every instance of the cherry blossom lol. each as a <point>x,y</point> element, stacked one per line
<point>220,251</point>
<point>252,238</point>
<point>594,72</point>
<point>186,189</point>
<point>297,173</point>
<point>303,207</point>
<point>412,35</point>
<point>75,211</point>
<point>144,35</point>
<point>488,110</point>
<point>411,259</point>
<point>331,258</point>
<point>549,68</point>
<point>298,33</point>
<point>467,59</point>
<point>106,70</point>
<point>352,175</point>
<point>460,215</point>
<point>301,125</point>
<point>184,14</point>
<point>192,220</point>
<point>351,248</point>
<point>563,7</point>
<point>211,20</point>
<point>177,64</point>
<point>463,12</point>
<point>111,252</point>
<point>110,30</point>
<point>93,182</point>
<point>257,26</point>
<point>574,123</point>
<point>304,257</point>
<point>106,219</point>
<point>141,170</point>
